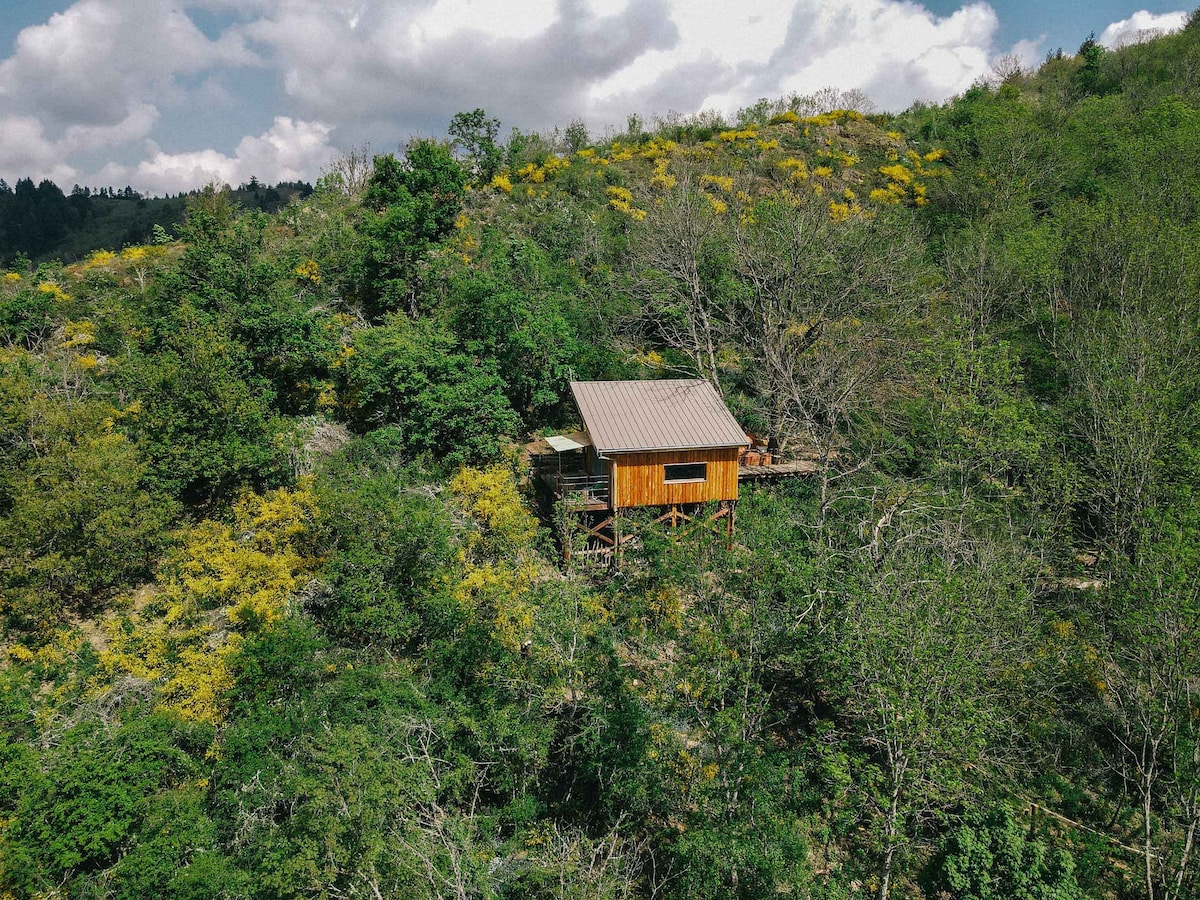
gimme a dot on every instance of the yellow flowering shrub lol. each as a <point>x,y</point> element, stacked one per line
<point>137,253</point>
<point>490,498</point>
<point>748,133</point>
<point>226,581</point>
<point>832,117</point>
<point>897,173</point>
<point>797,167</point>
<point>502,183</point>
<point>661,179</point>
<point>532,173</point>
<point>721,182</point>
<point>12,277</point>
<point>99,259</point>
<point>308,271</point>
<point>787,117</point>
<point>718,205</point>
<point>935,155</point>
<point>55,292</point>
<point>823,171</point>
<point>622,152</point>
<point>79,334</point>
<point>498,569</point>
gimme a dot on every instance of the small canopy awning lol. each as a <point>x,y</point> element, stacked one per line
<point>564,443</point>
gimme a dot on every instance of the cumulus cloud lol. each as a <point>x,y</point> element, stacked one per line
<point>1141,26</point>
<point>419,62</point>
<point>25,151</point>
<point>99,60</point>
<point>290,151</point>
<point>107,83</point>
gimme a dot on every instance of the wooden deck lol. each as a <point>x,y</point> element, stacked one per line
<point>777,470</point>
<point>586,492</point>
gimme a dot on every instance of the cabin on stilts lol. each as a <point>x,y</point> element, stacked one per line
<point>670,444</point>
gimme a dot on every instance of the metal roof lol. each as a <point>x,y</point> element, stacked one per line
<point>674,414</point>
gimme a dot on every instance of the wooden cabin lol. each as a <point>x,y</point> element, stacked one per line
<point>660,443</point>
<point>671,444</point>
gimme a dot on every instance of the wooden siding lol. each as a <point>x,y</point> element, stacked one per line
<point>638,477</point>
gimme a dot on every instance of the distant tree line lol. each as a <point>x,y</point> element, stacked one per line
<point>39,222</point>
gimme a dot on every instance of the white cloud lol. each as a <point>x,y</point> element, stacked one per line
<point>290,151</point>
<point>106,79</point>
<point>100,63</point>
<point>25,151</point>
<point>1029,52</point>
<point>1141,26</point>
<point>893,50</point>
<point>417,63</point>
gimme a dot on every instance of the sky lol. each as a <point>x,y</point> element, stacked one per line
<point>169,95</point>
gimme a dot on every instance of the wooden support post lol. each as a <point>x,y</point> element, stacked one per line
<point>730,525</point>
<point>617,550</point>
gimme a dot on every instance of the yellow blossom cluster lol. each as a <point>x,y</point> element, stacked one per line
<point>590,156</point>
<point>897,173</point>
<point>798,168</point>
<point>532,173</point>
<point>226,581</point>
<point>56,293</point>
<point>661,179</point>
<point>99,259</point>
<point>655,150</point>
<point>12,277</point>
<point>721,182</point>
<point>138,253</point>
<point>749,133</point>
<point>787,117</point>
<point>887,196</point>
<point>840,212</point>
<point>832,117</point>
<point>308,271</point>
<point>499,572</point>
<point>621,199</point>
<point>502,183</point>
<point>78,334</point>
<point>839,156</point>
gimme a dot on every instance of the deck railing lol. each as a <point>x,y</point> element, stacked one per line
<point>575,487</point>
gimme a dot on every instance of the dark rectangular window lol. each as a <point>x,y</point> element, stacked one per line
<point>685,472</point>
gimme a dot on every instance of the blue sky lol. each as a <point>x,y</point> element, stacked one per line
<point>167,95</point>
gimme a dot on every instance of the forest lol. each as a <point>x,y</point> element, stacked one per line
<point>39,223</point>
<point>278,617</point>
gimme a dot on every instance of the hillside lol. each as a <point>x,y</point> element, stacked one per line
<point>279,619</point>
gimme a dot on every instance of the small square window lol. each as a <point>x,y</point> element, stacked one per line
<point>677,472</point>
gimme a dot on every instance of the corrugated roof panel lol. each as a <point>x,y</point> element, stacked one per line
<point>673,414</point>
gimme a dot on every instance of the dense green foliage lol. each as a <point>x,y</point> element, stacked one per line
<point>42,223</point>
<point>279,619</point>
